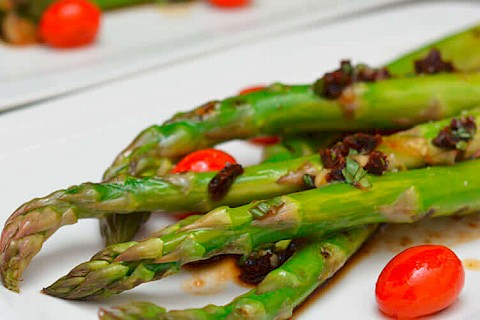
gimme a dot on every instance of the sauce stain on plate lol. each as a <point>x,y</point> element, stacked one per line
<point>471,264</point>
<point>448,231</point>
<point>211,278</point>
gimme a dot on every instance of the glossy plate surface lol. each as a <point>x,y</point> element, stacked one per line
<point>72,139</point>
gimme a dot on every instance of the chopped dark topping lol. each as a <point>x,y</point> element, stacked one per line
<point>377,163</point>
<point>334,159</point>
<point>331,85</point>
<point>331,157</point>
<point>362,142</point>
<point>341,159</point>
<point>433,63</point>
<point>220,184</point>
<point>457,134</point>
<point>367,74</point>
<point>259,263</point>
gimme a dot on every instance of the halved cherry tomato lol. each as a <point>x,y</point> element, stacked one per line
<point>419,281</point>
<point>251,89</point>
<point>70,23</point>
<point>229,3</point>
<point>203,161</point>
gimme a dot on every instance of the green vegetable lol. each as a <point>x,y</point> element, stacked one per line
<point>402,197</point>
<point>35,221</point>
<point>277,295</point>
<point>461,48</point>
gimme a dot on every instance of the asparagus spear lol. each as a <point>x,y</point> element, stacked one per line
<point>34,222</point>
<point>298,146</point>
<point>277,295</point>
<point>458,48</point>
<point>281,109</point>
<point>461,48</point>
<point>402,197</point>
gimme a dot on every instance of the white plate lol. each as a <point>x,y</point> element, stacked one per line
<point>144,37</point>
<point>72,139</point>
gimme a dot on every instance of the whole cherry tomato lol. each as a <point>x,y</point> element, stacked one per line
<point>70,23</point>
<point>229,3</point>
<point>204,160</point>
<point>419,281</point>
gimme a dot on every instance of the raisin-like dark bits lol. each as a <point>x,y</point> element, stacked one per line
<point>362,142</point>
<point>433,63</point>
<point>332,84</point>
<point>460,129</point>
<point>377,163</point>
<point>220,184</point>
<point>259,263</point>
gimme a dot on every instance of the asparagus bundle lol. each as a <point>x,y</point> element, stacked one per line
<point>277,295</point>
<point>461,49</point>
<point>402,197</point>
<point>34,222</point>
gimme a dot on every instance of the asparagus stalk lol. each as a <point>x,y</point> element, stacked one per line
<point>282,109</point>
<point>298,146</point>
<point>34,222</point>
<point>457,48</point>
<point>277,295</point>
<point>402,197</point>
<point>461,48</point>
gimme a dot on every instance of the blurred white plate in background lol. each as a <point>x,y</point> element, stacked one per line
<point>138,38</point>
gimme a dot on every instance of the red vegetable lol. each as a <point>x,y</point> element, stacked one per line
<point>265,140</point>
<point>419,281</point>
<point>229,3</point>
<point>203,161</point>
<point>251,89</point>
<point>70,23</point>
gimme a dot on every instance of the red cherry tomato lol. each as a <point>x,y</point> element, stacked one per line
<point>229,3</point>
<point>419,281</point>
<point>265,140</point>
<point>203,161</point>
<point>70,23</point>
<point>251,89</point>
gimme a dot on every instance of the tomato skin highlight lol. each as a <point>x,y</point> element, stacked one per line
<point>265,140</point>
<point>251,89</point>
<point>70,23</point>
<point>203,161</point>
<point>229,3</point>
<point>419,281</point>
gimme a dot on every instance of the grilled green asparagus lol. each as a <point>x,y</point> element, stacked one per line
<point>277,295</point>
<point>401,197</point>
<point>34,222</point>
